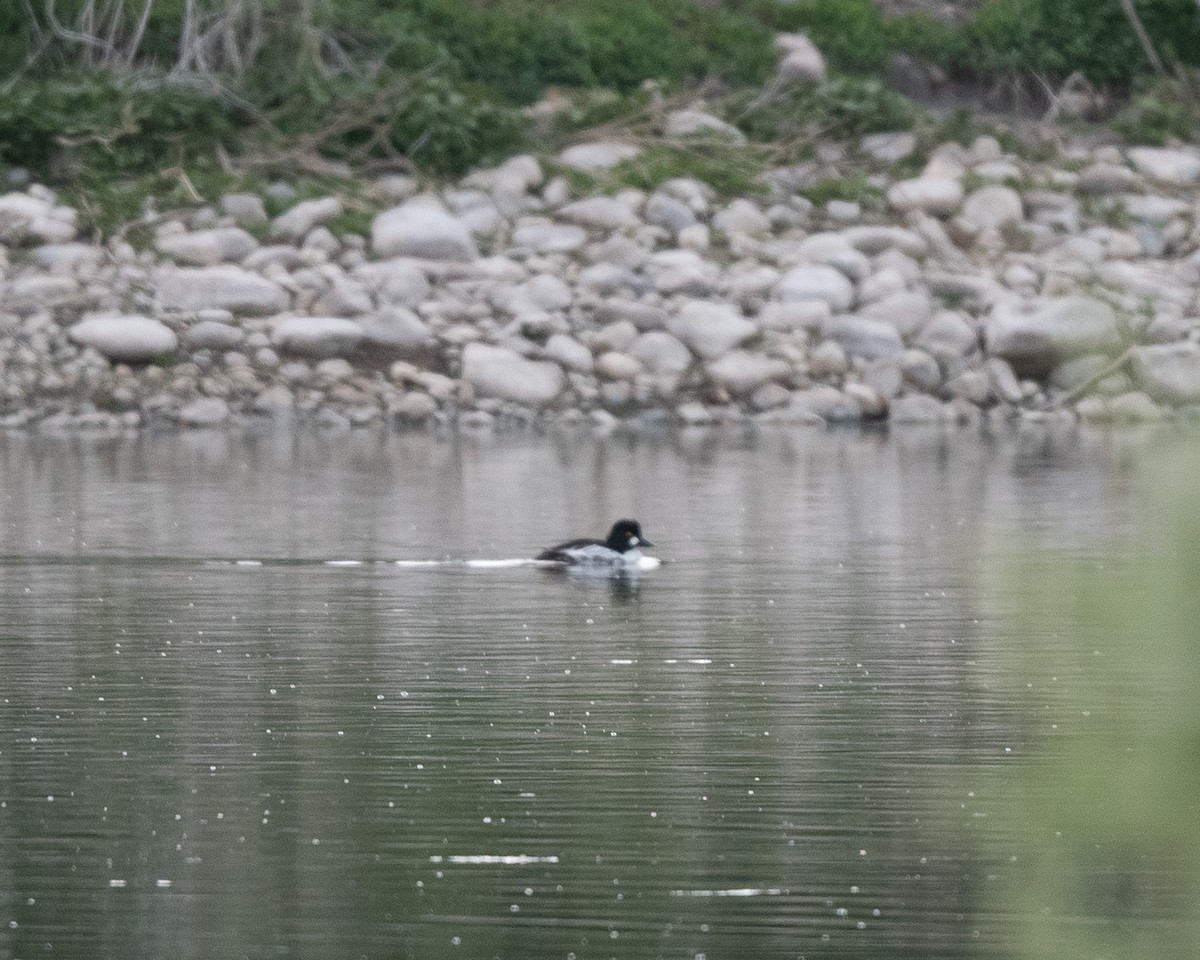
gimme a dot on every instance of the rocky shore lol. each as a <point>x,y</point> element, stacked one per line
<point>987,286</point>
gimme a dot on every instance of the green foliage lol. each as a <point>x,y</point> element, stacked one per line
<point>730,169</point>
<point>854,187</point>
<point>850,33</point>
<point>920,36</point>
<point>519,47</point>
<point>1091,36</point>
<point>1158,113</point>
<point>842,107</point>
<point>97,122</point>
<point>586,108</point>
<point>449,128</point>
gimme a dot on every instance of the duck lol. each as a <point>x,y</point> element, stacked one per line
<point>620,550</point>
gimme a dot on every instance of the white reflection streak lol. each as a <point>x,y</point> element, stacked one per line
<point>517,859</point>
<point>734,892</point>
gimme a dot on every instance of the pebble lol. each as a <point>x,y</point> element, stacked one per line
<point>501,373</point>
<point>125,338</point>
<point>711,329</point>
<point>424,230</point>
<point>980,290</point>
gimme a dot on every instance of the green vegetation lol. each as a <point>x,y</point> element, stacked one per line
<point>854,187</point>
<point>120,100</point>
<point>1159,111</point>
<point>1093,37</point>
<point>730,169</point>
<point>842,107</point>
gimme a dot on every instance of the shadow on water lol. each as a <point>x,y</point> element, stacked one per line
<point>799,737</point>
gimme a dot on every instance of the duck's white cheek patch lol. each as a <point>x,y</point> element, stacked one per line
<point>634,541</point>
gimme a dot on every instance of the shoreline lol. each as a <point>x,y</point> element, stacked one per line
<point>968,284</point>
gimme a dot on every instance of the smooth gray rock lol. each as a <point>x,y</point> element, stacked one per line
<point>613,365</point>
<point>544,292</point>
<point>908,311</point>
<point>204,412</point>
<point>885,376</point>
<point>800,59</point>
<point>660,352</point>
<point>245,208</point>
<point>683,272</point>
<point>863,336</point>
<point>1002,381</point>
<point>665,211</point>
<point>396,329</point>
<point>597,156</point>
<point>213,335</point>
<point>1038,337</point>
<point>834,250</point>
<point>741,372</point>
<point>828,359</point>
<point>293,224</point>
<point>543,236</point>
<point>224,288</point>
<point>1168,373</point>
<point>816,282</point>
<point>694,414</point>
<point>600,213</point>
<point>1153,209</point>
<point>876,238</point>
<point>644,316</point>
<point>948,333</point>
<point>275,401</point>
<point>800,315</point>
<point>770,396</point>
<point>971,386</point>
<point>1078,370</point>
<point>937,195</point>
<point>921,370</point>
<point>344,298</point>
<point>422,230</point>
<point>506,375</point>
<point>65,257</point>
<point>888,147</point>
<point>1107,178</point>
<point>1172,168</point>
<point>1134,407</point>
<point>711,329</point>
<point>569,352</point>
<point>742,217</point>
<point>33,292</point>
<point>822,404</point>
<point>126,338</point>
<point>919,408</point>
<point>24,217</point>
<point>412,407</point>
<point>399,282</point>
<point>316,337</point>
<point>207,248</point>
<point>993,207</point>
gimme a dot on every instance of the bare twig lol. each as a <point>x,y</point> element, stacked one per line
<point>1075,393</point>
<point>1143,37</point>
<point>63,33</point>
<point>135,42</point>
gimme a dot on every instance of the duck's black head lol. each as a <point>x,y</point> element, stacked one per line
<point>626,535</point>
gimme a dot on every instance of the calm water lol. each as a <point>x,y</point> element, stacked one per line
<point>788,742</point>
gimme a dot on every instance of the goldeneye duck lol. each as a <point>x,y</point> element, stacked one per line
<point>619,550</point>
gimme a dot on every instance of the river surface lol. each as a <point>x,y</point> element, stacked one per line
<point>232,725</point>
